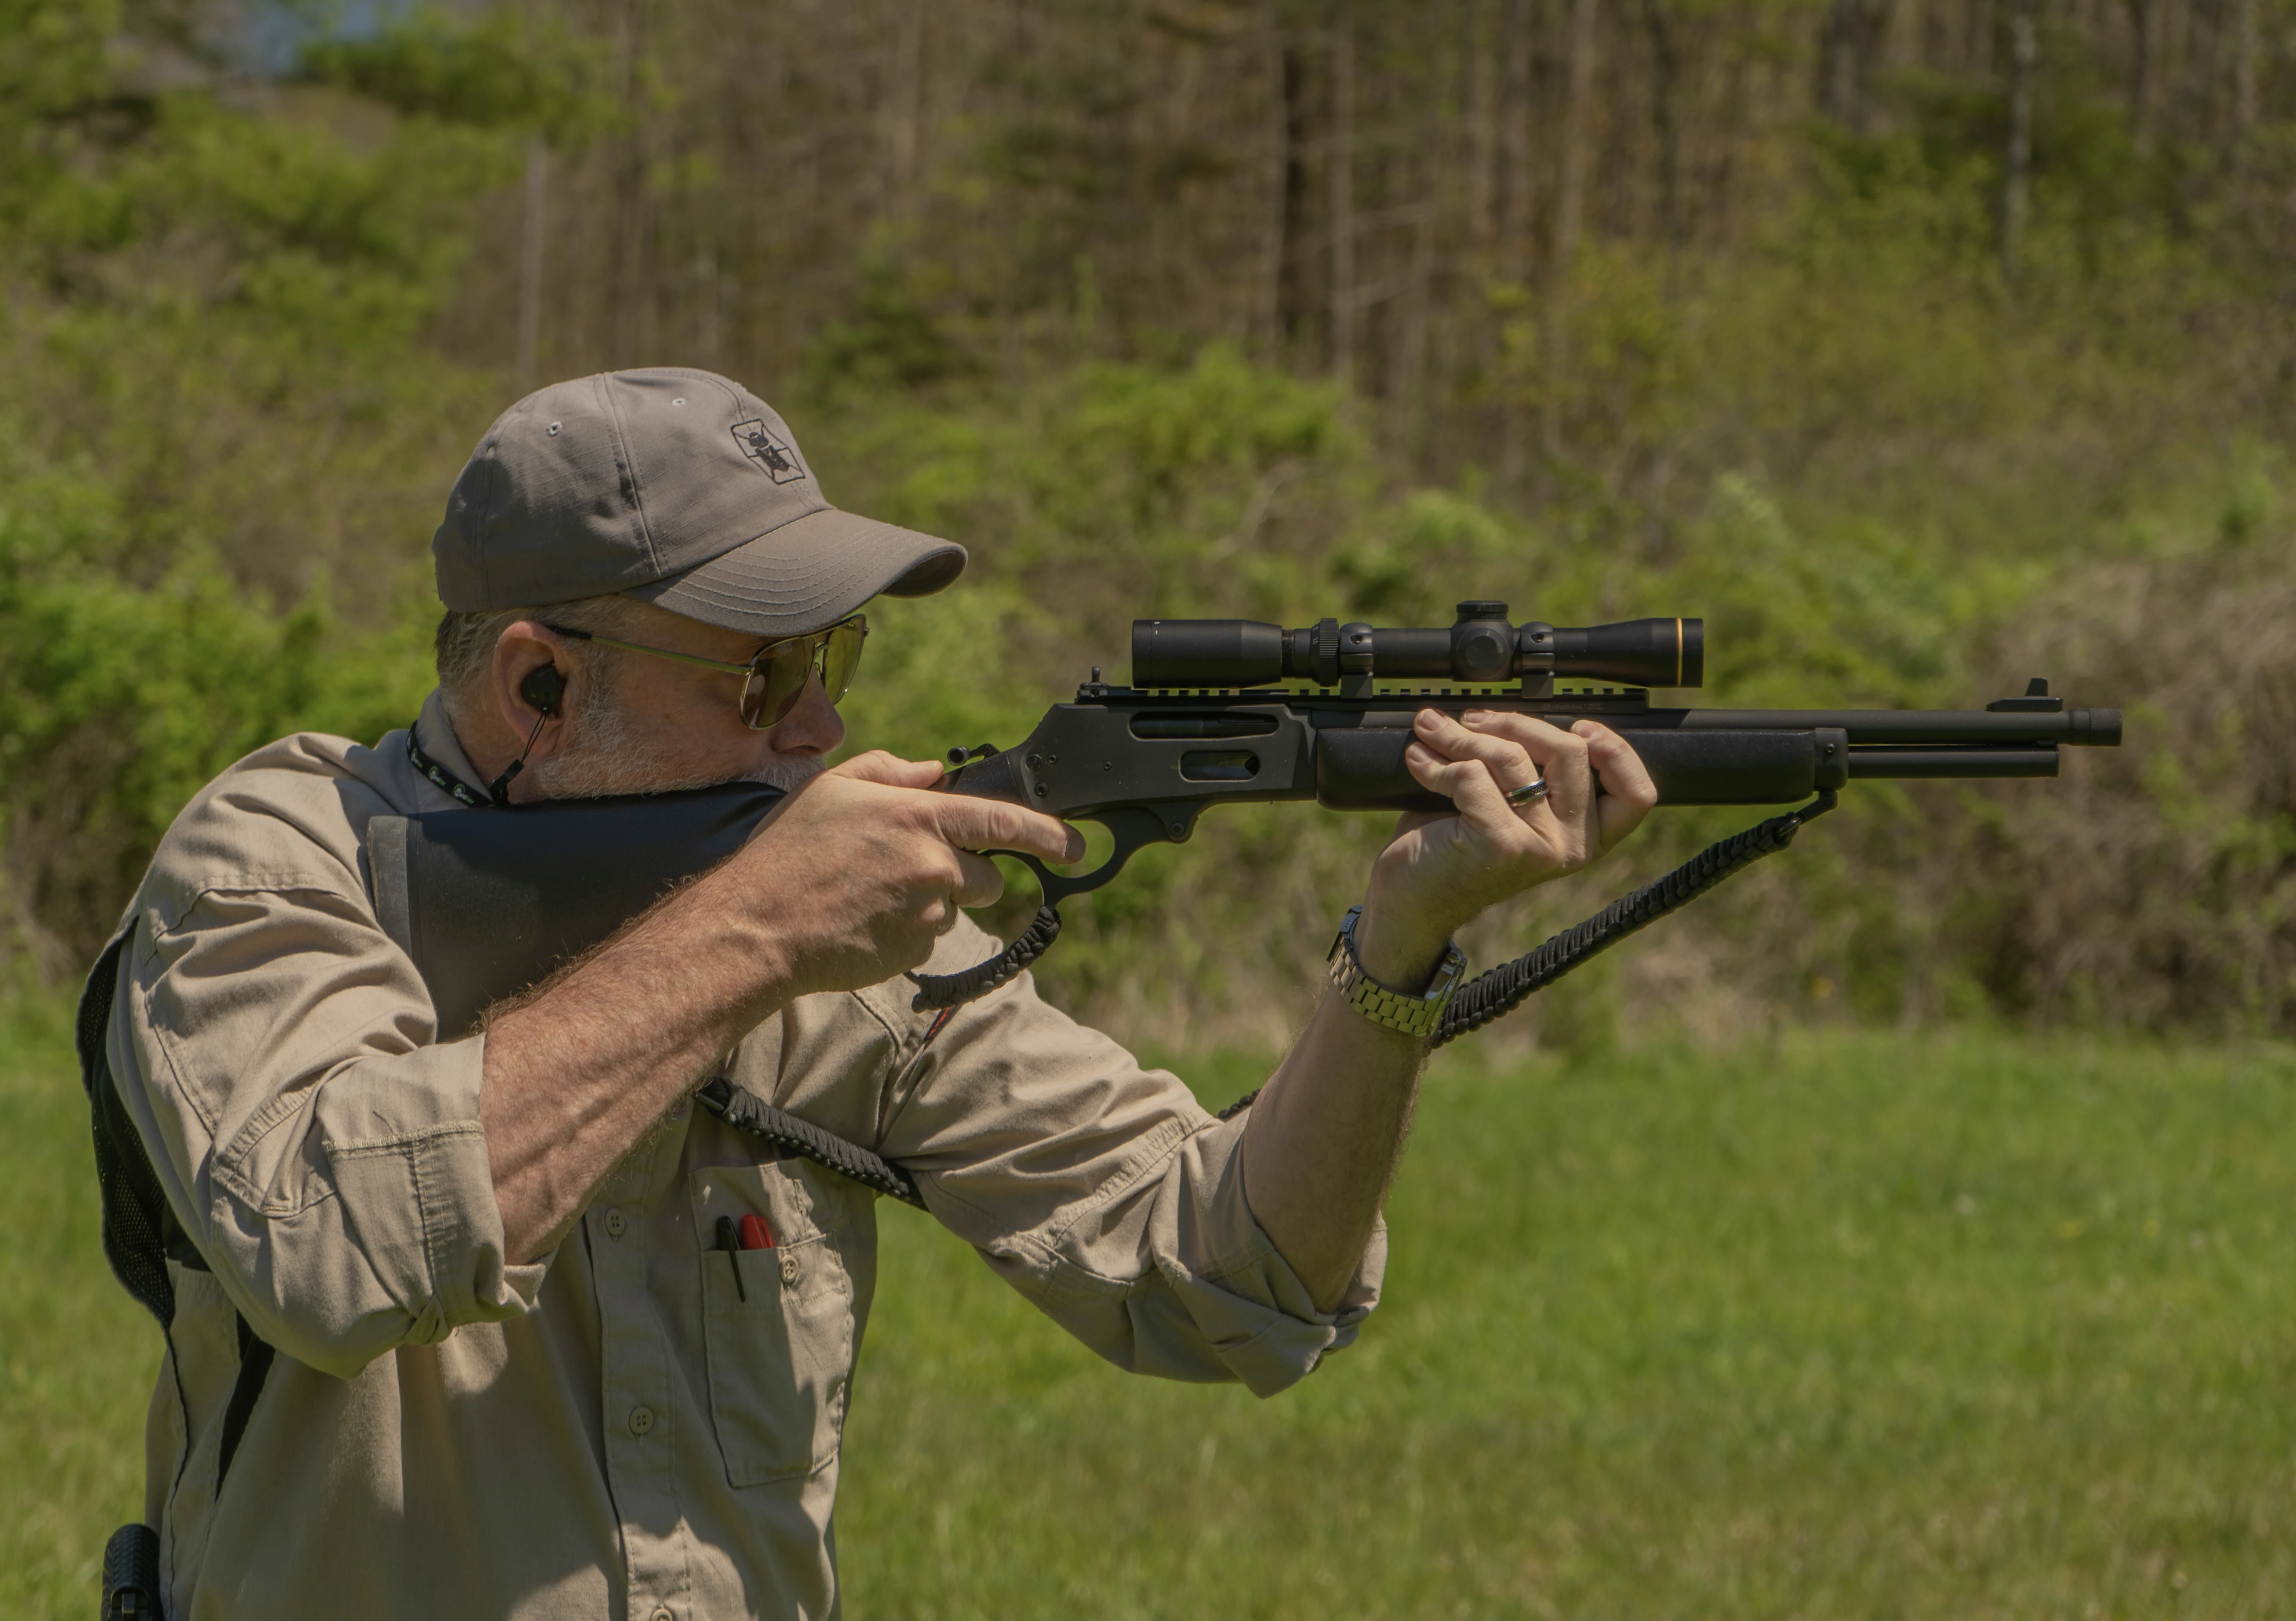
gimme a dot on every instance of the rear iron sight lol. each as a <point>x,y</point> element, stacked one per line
<point>1479,649</point>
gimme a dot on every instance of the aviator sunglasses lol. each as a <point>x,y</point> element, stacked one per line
<point>775,676</point>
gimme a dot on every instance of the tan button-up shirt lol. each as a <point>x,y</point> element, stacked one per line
<point>623,1429</point>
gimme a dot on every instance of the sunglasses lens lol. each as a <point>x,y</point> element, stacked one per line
<point>778,676</point>
<point>841,656</point>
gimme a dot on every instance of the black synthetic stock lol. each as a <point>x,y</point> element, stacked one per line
<point>489,902</point>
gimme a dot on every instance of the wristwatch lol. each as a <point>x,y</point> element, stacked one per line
<point>1413,1015</point>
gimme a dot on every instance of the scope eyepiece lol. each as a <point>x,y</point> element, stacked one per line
<point>1481,648</point>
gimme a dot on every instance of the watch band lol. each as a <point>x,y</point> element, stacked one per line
<point>1413,1015</point>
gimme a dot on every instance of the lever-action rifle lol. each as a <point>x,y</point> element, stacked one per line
<point>1208,721</point>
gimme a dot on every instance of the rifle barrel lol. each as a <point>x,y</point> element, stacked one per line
<point>1902,763</point>
<point>2091,728</point>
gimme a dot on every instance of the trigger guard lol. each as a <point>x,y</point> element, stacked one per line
<point>1133,828</point>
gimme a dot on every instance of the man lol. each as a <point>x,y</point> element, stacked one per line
<point>516,1374</point>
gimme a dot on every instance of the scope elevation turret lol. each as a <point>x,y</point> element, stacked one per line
<point>1479,649</point>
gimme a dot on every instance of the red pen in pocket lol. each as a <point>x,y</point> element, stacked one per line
<point>751,1235</point>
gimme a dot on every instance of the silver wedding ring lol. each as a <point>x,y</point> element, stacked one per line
<point>1529,793</point>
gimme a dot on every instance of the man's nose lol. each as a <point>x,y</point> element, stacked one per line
<point>813,726</point>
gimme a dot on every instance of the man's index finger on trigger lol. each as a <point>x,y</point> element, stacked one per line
<point>990,824</point>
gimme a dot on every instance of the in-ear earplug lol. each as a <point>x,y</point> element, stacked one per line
<point>544,688</point>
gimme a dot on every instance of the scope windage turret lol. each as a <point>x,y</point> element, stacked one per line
<point>1481,648</point>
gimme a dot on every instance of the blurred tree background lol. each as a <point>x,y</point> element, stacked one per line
<point>1920,345</point>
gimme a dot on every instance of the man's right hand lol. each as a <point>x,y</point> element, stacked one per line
<point>858,872</point>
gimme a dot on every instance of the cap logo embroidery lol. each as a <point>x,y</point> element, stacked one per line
<point>775,455</point>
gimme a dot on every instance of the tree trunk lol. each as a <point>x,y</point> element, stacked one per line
<point>1411,345</point>
<point>2244,67</point>
<point>1341,172</point>
<point>1482,121</point>
<point>1848,52</point>
<point>1665,73</point>
<point>529,260</point>
<point>2140,72</point>
<point>2017,165</point>
<point>1516,21</point>
<point>631,320</point>
<point>1570,202</point>
<point>905,111</point>
<point>1517,181</point>
<point>1275,139</point>
<point>1291,265</point>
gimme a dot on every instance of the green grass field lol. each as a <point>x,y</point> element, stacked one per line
<point>1941,1324</point>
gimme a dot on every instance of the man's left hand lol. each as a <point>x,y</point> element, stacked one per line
<point>1439,871</point>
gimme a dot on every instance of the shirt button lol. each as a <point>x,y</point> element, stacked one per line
<point>615,1222</point>
<point>788,1270</point>
<point>640,1420</point>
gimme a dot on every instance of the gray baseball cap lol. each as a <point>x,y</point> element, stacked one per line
<point>678,487</point>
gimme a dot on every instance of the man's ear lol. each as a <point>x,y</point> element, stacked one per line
<point>535,681</point>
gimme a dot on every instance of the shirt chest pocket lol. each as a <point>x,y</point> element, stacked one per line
<point>778,1324</point>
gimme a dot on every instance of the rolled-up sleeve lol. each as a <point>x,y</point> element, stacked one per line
<point>275,1049</point>
<point>1110,1197</point>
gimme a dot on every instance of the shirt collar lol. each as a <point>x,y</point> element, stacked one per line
<point>434,734</point>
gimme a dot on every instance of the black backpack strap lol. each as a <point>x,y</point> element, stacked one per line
<point>255,1359</point>
<point>136,1215</point>
<point>140,1230</point>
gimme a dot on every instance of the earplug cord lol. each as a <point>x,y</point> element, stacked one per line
<point>496,789</point>
<point>543,687</point>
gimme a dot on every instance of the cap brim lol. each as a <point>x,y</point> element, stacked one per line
<point>810,572</point>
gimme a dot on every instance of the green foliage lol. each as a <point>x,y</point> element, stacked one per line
<point>484,67</point>
<point>119,701</point>
<point>1113,491</point>
<point>1882,474</point>
<point>216,396</point>
<point>891,340</point>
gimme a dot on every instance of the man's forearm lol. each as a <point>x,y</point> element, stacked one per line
<point>578,1074</point>
<point>1325,1134</point>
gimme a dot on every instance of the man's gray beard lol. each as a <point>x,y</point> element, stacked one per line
<point>605,752</point>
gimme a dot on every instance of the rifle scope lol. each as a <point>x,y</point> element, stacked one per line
<point>1480,648</point>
